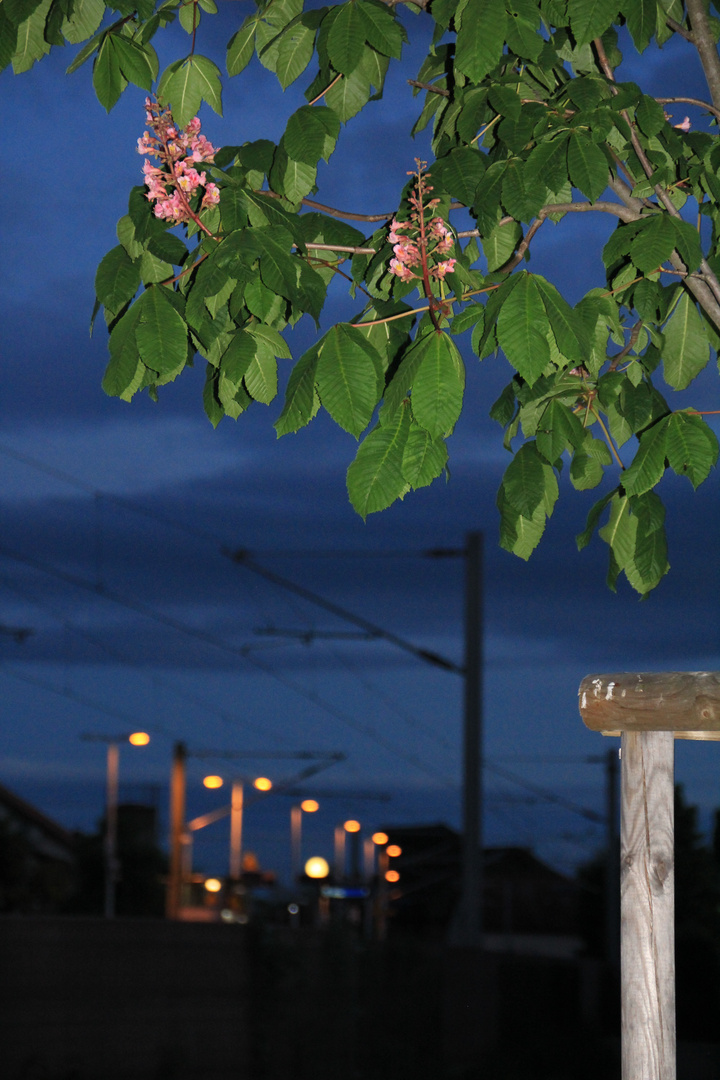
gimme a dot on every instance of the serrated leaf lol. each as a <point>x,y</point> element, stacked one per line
<point>587,166</point>
<point>261,377</point>
<point>108,80</point>
<point>271,338</point>
<point>480,39</point>
<point>691,447</point>
<point>294,52</point>
<point>348,96</point>
<point>519,533</point>
<point>30,43</point>
<point>591,18</point>
<point>558,429</point>
<point>686,349</point>
<point>527,481</point>
<point>84,20</point>
<point>653,243</point>
<point>241,46</point>
<point>648,466</point>
<point>620,531</point>
<point>382,31</point>
<point>117,279</point>
<point>348,377</point>
<point>424,458</point>
<point>135,63</point>
<point>160,332</point>
<point>346,39</point>
<point>438,386</point>
<point>300,396</point>
<point>642,17</point>
<point>522,328</point>
<point>375,479</point>
<point>566,325</point>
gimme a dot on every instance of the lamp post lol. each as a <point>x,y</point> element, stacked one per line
<point>309,806</point>
<point>135,738</point>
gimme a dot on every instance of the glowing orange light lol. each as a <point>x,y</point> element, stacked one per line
<point>213,781</point>
<point>352,826</point>
<point>212,884</point>
<point>309,806</point>
<point>262,783</point>
<point>392,875</point>
<point>139,738</point>
<point>393,850</point>
<point>380,838</point>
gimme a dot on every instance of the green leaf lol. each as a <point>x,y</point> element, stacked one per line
<point>691,447</point>
<point>108,80</point>
<point>301,401</point>
<point>382,30</point>
<point>117,279</point>
<point>558,429</point>
<point>348,96</point>
<point>567,327</point>
<point>584,538</point>
<point>620,532</point>
<point>271,338</point>
<point>591,18</point>
<point>261,378</point>
<point>460,172</point>
<point>241,46</point>
<point>349,375</point>
<point>686,349</point>
<point>424,457</point>
<point>500,244</point>
<point>30,43</point>
<point>480,39</point>
<point>522,195</point>
<point>648,466</point>
<point>305,134</point>
<point>135,63</point>
<point>687,240</point>
<point>519,533</point>
<point>522,329</point>
<point>525,480</point>
<point>653,243</point>
<point>8,38</point>
<point>438,386</point>
<point>85,18</point>
<point>197,79</point>
<point>587,166</point>
<point>161,333</point>
<point>641,17</point>
<point>238,356</point>
<point>346,39</point>
<point>126,371</point>
<point>294,52</point>
<point>375,479</point>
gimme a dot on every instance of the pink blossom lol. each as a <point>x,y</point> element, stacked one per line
<point>212,195</point>
<point>444,268</point>
<point>401,271</point>
<point>685,126</point>
<point>193,127</point>
<point>407,253</point>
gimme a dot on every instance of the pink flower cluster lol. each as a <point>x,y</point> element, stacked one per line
<point>407,248</point>
<point>171,185</point>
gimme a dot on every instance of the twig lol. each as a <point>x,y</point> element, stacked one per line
<point>634,334</point>
<point>429,87</point>
<point>324,92</point>
<point>688,101</point>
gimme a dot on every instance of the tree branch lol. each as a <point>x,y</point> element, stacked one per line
<point>689,101</point>
<point>429,86</point>
<point>704,42</point>
<point>679,29</point>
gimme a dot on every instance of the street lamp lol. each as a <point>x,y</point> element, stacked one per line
<point>309,806</point>
<point>135,738</point>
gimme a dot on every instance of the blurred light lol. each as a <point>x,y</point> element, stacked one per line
<point>212,884</point>
<point>380,838</point>
<point>213,781</point>
<point>139,738</point>
<point>262,783</point>
<point>352,826</point>
<point>293,909</point>
<point>317,867</point>
<point>393,850</point>
<point>392,875</point>
<point>309,806</point>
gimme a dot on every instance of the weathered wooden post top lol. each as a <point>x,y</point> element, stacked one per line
<point>649,711</point>
<point>684,702</point>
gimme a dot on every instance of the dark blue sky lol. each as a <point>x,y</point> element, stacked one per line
<point>140,499</point>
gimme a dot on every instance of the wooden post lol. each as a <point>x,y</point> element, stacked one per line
<point>649,710</point>
<point>647,906</point>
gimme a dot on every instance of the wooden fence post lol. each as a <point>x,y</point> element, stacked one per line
<point>649,711</point>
